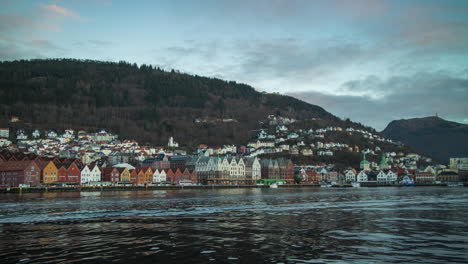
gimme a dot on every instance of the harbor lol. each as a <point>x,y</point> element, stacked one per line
<point>237,225</point>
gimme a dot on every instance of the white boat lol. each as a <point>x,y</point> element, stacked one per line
<point>455,184</point>
<point>325,185</point>
<point>356,184</point>
<point>274,185</point>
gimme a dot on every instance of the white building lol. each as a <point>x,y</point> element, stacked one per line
<point>4,132</point>
<point>159,176</point>
<point>172,143</point>
<point>36,134</point>
<point>260,144</point>
<point>52,134</point>
<point>362,177</point>
<point>262,134</point>
<point>392,177</point>
<point>253,168</point>
<point>85,175</point>
<point>350,176</point>
<point>382,177</point>
<point>102,136</point>
<point>95,174</point>
<point>21,135</point>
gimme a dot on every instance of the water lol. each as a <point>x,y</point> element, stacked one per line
<point>309,225</point>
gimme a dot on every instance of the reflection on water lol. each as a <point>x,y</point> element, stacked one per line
<point>425,225</point>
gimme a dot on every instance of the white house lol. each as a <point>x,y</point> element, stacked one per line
<point>36,134</point>
<point>362,177</point>
<point>4,142</point>
<point>256,168</point>
<point>240,168</point>
<point>85,175</point>
<point>282,128</point>
<point>391,177</point>
<point>159,176</point>
<point>262,134</point>
<point>4,132</point>
<point>382,177</point>
<point>21,135</point>
<point>52,134</point>
<point>260,144</point>
<point>68,134</point>
<point>95,174</point>
<point>350,176</point>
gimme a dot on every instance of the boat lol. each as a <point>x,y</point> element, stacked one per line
<point>325,185</point>
<point>356,184</point>
<point>274,185</point>
<point>454,184</point>
<point>407,181</point>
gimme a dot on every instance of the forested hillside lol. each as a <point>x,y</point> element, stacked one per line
<point>139,102</point>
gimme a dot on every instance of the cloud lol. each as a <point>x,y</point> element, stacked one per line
<point>101,42</point>
<point>59,10</point>
<point>419,95</point>
<point>13,49</point>
<point>43,44</point>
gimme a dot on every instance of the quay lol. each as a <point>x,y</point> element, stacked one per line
<point>179,187</point>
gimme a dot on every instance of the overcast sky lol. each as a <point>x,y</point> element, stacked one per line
<point>372,61</point>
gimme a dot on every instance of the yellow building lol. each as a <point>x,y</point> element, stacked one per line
<point>124,175</point>
<point>149,175</point>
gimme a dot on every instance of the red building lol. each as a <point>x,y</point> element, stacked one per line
<point>424,177</point>
<point>73,173</point>
<point>193,176</point>
<point>134,176</point>
<point>169,176</point>
<point>110,174</point>
<point>69,173</point>
<point>62,174</point>
<point>14,173</point>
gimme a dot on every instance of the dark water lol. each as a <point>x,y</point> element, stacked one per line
<point>310,225</point>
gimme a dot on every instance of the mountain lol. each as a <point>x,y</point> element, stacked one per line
<point>143,102</point>
<point>440,138</point>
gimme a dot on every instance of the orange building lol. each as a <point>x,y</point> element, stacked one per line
<point>141,177</point>
<point>149,175</point>
<point>49,173</point>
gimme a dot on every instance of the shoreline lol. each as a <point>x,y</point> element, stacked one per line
<point>182,187</point>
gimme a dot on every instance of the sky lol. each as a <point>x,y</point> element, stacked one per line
<point>372,61</point>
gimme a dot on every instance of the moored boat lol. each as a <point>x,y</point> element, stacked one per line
<point>454,184</point>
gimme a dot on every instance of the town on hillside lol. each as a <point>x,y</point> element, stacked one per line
<point>279,151</point>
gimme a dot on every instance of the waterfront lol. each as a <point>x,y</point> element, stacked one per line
<point>285,225</point>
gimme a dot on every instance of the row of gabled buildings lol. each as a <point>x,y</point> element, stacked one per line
<point>227,169</point>
<point>161,169</point>
<point>44,172</point>
<point>382,176</point>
